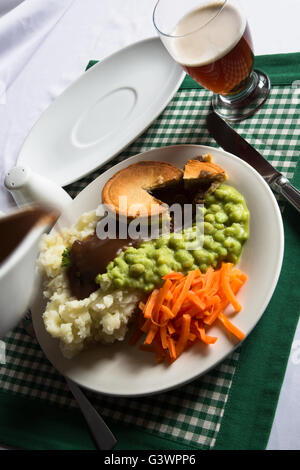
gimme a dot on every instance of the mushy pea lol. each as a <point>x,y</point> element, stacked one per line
<point>226,228</point>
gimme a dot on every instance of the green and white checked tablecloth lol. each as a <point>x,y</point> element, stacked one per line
<point>232,406</point>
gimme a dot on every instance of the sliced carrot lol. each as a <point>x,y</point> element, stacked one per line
<point>178,314</point>
<point>210,292</point>
<point>217,279</point>
<point>170,328</point>
<point>192,337</point>
<point>171,347</point>
<point>200,304</point>
<point>238,274</point>
<point>177,324</point>
<point>209,278</point>
<point>173,276</point>
<point>204,337</point>
<point>198,283</point>
<point>243,277</point>
<point>210,319</point>
<point>167,312</point>
<point>150,303</point>
<point>184,334</point>
<point>169,296</point>
<point>176,291</point>
<point>230,327</point>
<point>194,312</point>
<point>159,300</point>
<point>235,285</point>
<point>225,270</point>
<point>151,334</point>
<point>163,337</point>
<point>185,288</point>
<point>213,300</point>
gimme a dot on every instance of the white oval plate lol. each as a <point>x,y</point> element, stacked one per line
<point>102,112</point>
<point>121,369</point>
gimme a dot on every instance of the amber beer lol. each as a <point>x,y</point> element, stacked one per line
<point>214,46</point>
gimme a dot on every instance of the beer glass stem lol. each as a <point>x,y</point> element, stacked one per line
<point>244,103</point>
<point>250,86</point>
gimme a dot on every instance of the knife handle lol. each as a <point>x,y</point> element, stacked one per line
<point>288,191</point>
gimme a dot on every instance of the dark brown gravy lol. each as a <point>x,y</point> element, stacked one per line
<point>15,227</point>
<point>90,257</point>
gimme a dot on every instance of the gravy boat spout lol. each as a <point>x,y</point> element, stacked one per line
<point>20,234</point>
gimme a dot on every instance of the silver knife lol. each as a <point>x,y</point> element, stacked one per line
<point>232,142</point>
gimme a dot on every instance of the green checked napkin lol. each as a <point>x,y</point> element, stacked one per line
<point>232,406</point>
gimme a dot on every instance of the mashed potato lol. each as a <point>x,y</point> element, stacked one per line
<point>101,317</point>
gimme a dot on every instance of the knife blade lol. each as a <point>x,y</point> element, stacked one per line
<point>232,142</point>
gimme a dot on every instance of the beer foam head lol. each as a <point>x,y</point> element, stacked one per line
<point>206,34</point>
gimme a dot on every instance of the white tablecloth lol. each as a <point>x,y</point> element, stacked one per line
<point>45,45</point>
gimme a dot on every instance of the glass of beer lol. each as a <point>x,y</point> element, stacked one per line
<point>211,41</point>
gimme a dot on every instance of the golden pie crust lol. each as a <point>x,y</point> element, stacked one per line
<point>128,191</point>
<point>198,170</point>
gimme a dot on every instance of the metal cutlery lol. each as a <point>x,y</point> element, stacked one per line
<point>100,433</point>
<point>232,142</point>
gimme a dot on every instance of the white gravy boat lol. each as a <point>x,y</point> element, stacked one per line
<point>40,202</point>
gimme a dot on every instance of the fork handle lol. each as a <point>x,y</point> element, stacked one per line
<point>101,434</point>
